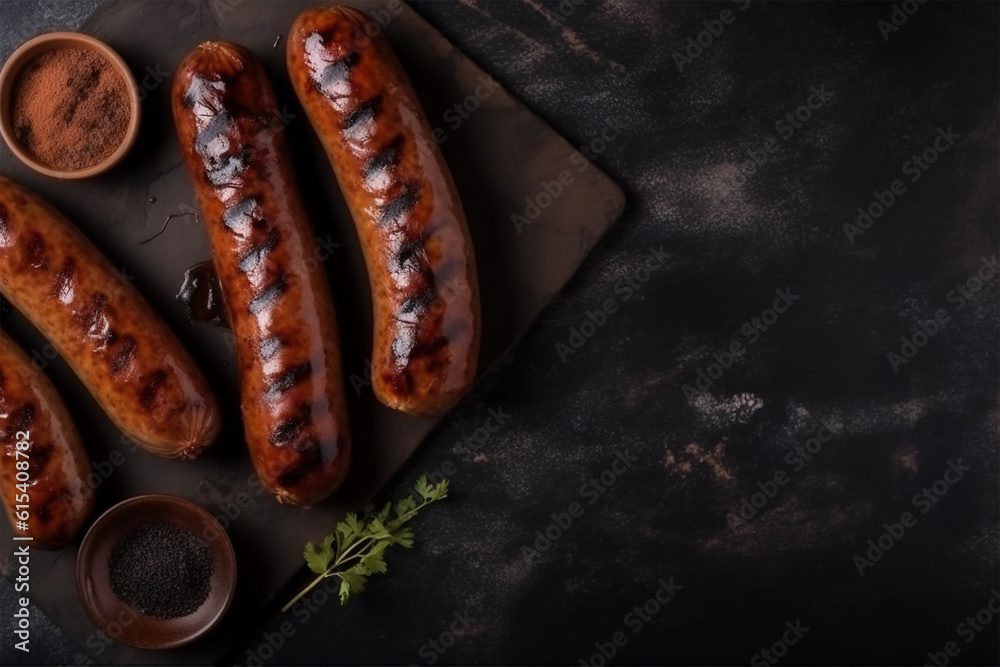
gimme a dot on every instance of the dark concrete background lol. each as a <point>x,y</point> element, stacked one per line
<point>733,241</point>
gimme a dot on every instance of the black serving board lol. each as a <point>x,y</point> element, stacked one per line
<point>500,154</point>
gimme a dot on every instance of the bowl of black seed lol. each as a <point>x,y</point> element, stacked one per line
<point>156,572</point>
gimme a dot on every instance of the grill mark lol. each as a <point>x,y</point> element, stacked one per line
<point>152,389</point>
<point>365,113</point>
<point>215,128</point>
<point>270,293</point>
<point>402,346</point>
<point>336,73</point>
<point>419,302</point>
<point>225,168</point>
<point>123,358</point>
<point>291,477</point>
<point>252,259</point>
<point>294,474</point>
<point>291,428</point>
<point>270,347</point>
<point>93,315</point>
<point>409,250</point>
<point>384,159</point>
<point>62,285</point>
<point>34,251</point>
<point>241,216</point>
<point>429,348</point>
<point>398,206</point>
<point>288,379</point>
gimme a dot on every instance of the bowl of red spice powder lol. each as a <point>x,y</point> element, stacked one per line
<point>69,105</point>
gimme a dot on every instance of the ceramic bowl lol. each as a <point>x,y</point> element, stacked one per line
<point>28,52</point>
<point>120,621</point>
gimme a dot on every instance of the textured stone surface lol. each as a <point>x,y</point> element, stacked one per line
<point>732,245</point>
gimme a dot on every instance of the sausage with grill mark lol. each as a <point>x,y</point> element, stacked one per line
<point>110,336</point>
<point>39,442</point>
<point>413,231</point>
<point>280,311</point>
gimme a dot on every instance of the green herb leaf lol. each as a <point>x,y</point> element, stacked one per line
<point>403,537</point>
<point>405,505</point>
<point>423,488</point>
<point>355,581</point>
<point>354,551</point>
<point>374,563</point>
<point>319,556</point>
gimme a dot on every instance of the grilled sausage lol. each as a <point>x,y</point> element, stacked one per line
<point>43,467</point>
<point>280,310</point>
<point>116,344</point>
<point>416,243</point>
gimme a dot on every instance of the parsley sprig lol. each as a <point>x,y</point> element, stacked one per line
<point>354,551</point>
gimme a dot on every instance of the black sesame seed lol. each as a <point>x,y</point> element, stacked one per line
<point>161,570</point>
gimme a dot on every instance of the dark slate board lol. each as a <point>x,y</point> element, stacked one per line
<point>500,155</point>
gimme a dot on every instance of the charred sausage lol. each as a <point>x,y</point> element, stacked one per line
<point>281,312</point>
<point>114,341</point>
<point>43,467</point>
<point>413,231</point>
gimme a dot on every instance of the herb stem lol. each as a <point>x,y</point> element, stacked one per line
<point>365,542</point>
<point>349,550</point>
<point>303,592</point>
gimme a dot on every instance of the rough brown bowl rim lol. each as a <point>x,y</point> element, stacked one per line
<point>47,42</point>
<point>103,524</point>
